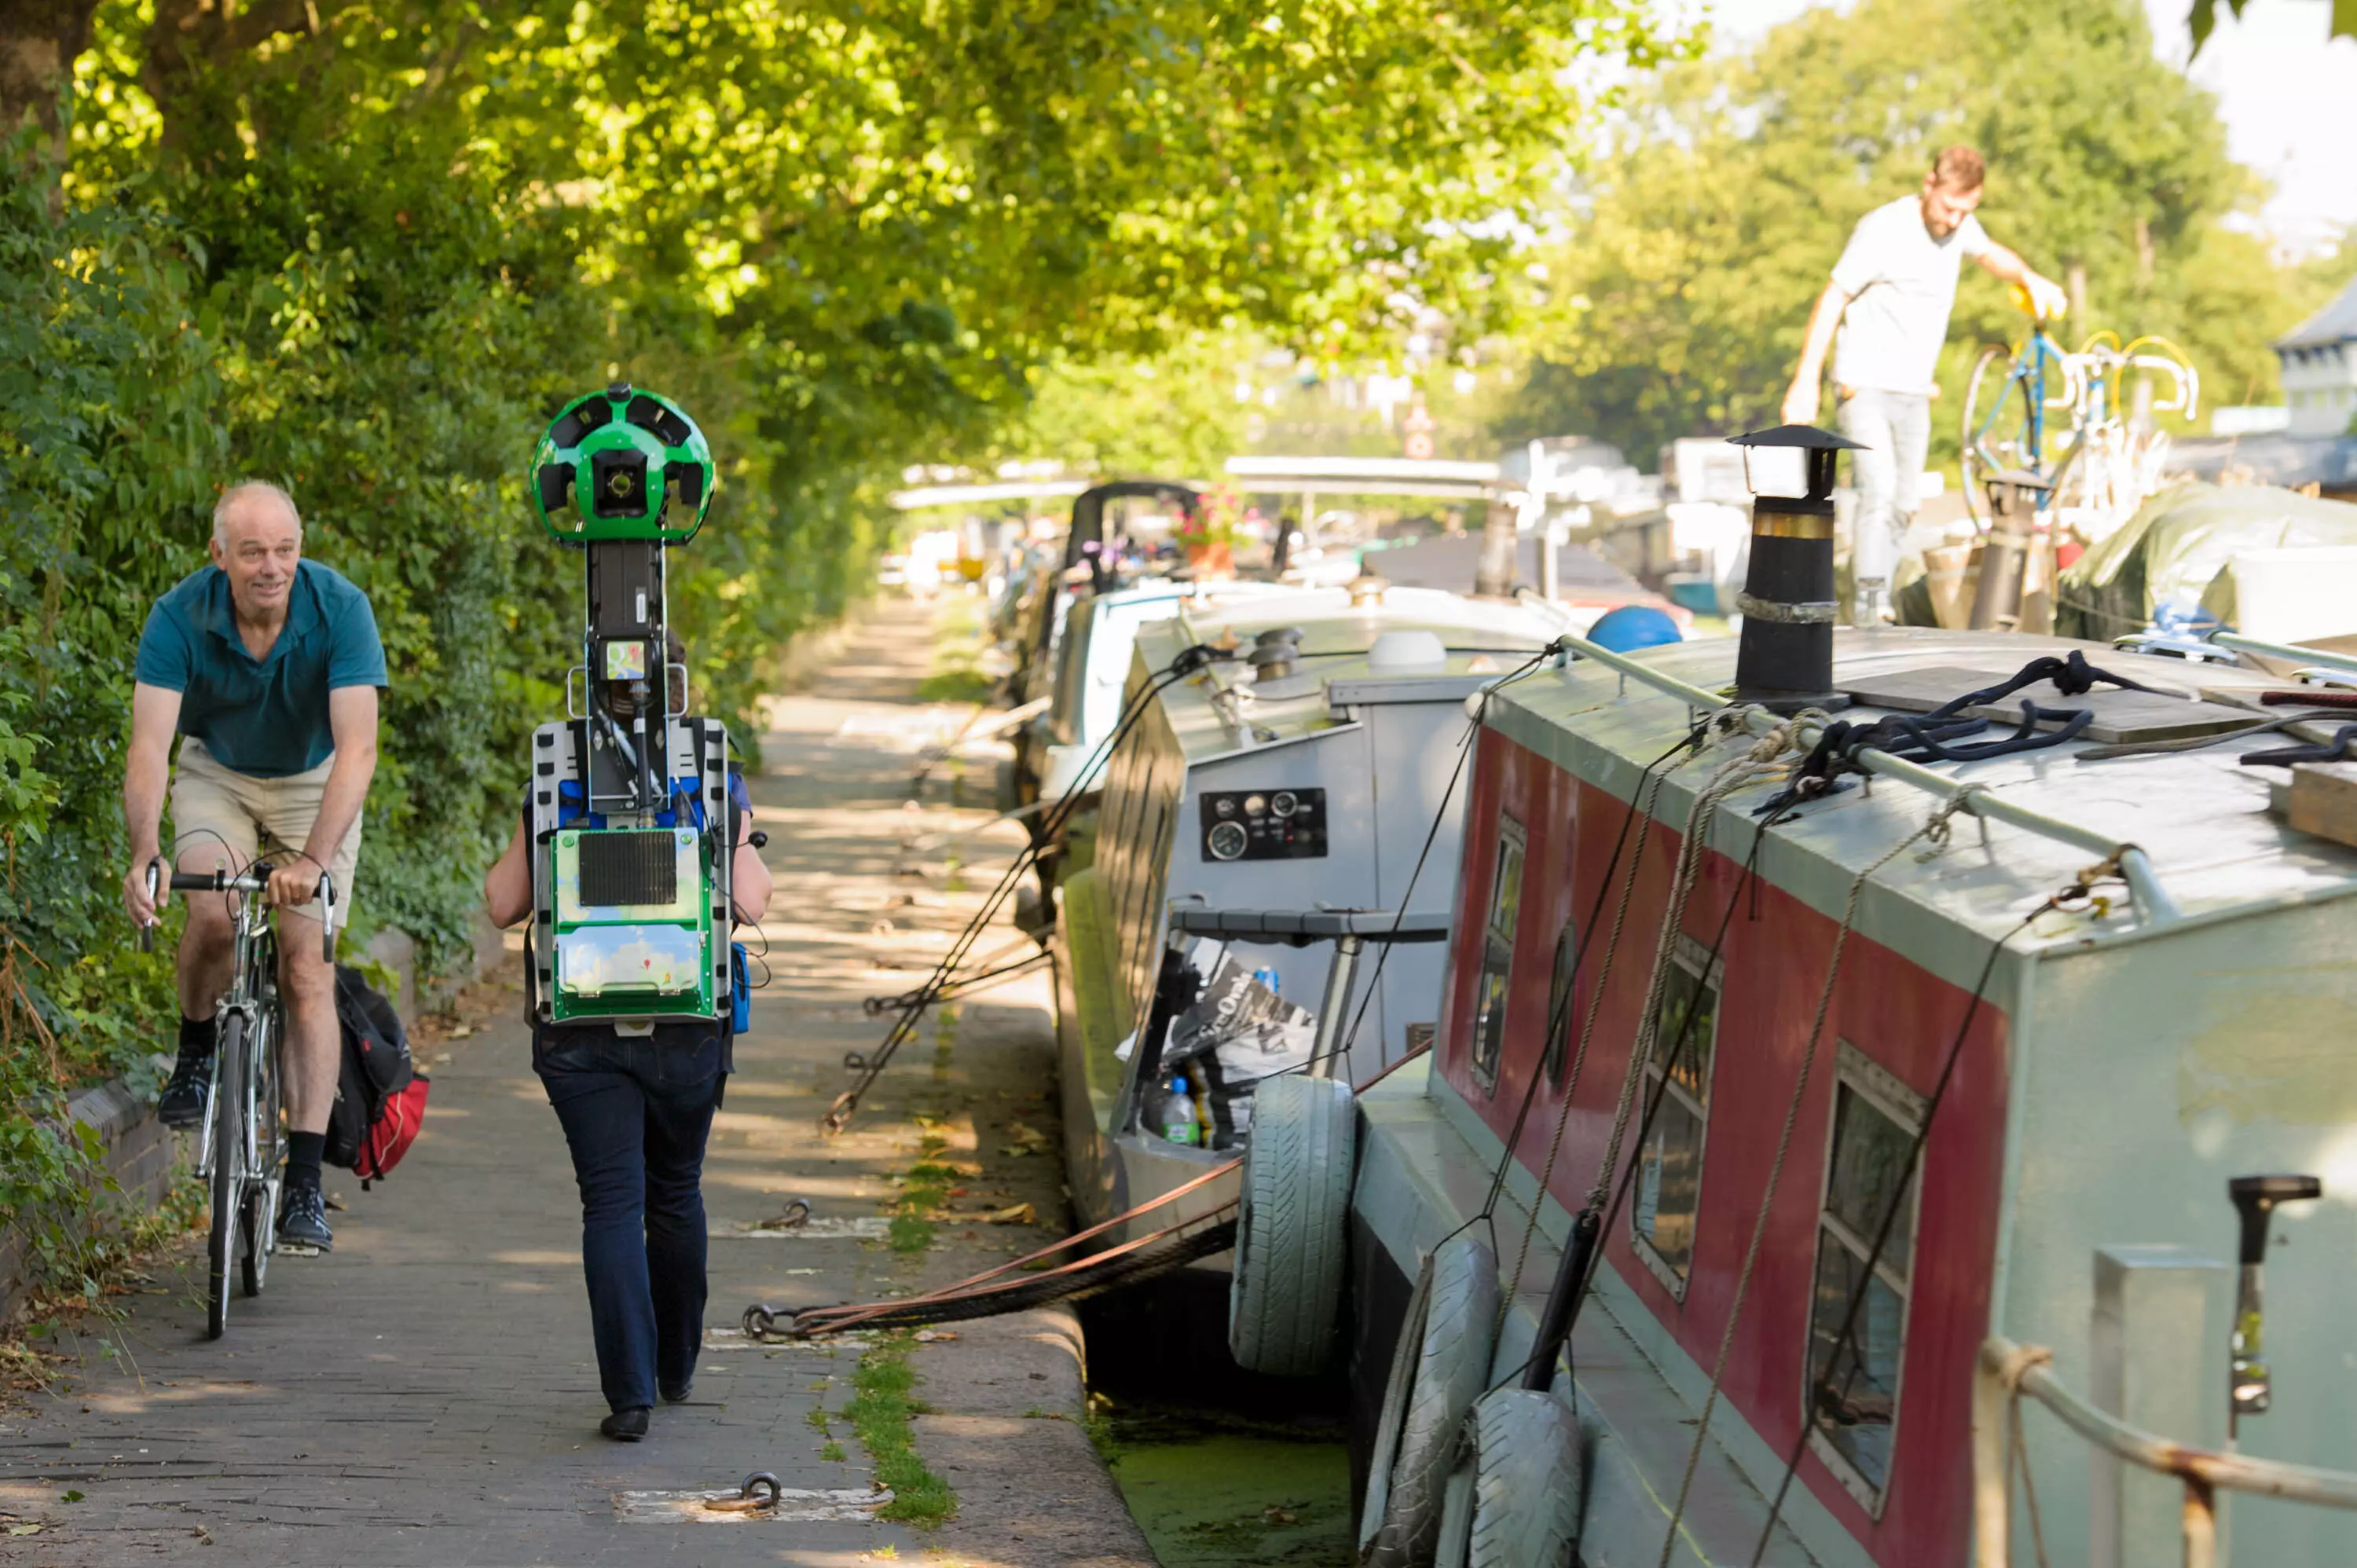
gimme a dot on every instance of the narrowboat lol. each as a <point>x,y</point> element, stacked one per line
<point>1297,795</point>
<point>1821,1078</point>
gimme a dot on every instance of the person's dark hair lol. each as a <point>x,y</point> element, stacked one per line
<point>1959,169</point>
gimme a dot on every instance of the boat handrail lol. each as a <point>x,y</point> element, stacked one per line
<point>1302,926</point>
<point>2287,651</point>
<point>2135,868</point>
<point>2005,1370</point>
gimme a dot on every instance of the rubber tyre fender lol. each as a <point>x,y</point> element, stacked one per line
<point>1513,1496</point>
<point>1286,1290</point>
<point>1439,1366</point>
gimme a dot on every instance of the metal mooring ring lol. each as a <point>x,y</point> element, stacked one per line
<point>797,1214</point>
<point>761,1320</point>
<point>756,1482</point>
<point>854,1062</point>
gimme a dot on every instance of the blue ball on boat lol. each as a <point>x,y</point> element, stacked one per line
<point>1633,627</point>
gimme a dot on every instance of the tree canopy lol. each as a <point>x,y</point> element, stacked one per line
<point>366,248</point>
<point>1675,302</point>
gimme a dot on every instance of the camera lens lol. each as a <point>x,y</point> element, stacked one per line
<point>617,484</point>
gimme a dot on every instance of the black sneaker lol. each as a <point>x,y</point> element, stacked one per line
<point>679,1392</point>
<point>183,1102</point>
<point>626,1426</point>
<point>303,1220</point>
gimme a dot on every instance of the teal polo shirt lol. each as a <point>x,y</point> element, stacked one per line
<point>266,717</point>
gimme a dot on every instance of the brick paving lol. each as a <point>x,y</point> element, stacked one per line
<point>426,1395</point>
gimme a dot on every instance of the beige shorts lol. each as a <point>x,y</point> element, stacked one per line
<point>218,814</point>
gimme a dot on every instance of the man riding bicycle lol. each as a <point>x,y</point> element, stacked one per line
<point>268,665</point>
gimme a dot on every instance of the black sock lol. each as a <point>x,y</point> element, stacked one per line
<point>303,1151</point>
<point>197,1036</point>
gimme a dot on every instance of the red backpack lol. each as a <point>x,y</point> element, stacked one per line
<point>380,1094</point>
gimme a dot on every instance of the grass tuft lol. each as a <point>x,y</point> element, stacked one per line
<point>880,1413</point>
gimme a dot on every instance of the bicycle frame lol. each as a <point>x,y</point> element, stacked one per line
<point>2032,358</point>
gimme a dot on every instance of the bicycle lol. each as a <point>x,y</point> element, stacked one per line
<point>243,1144</point>
<point>2004,429</point>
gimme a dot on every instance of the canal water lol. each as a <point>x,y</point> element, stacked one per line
<point>1211,1488</point>
<point>1219,1467</point>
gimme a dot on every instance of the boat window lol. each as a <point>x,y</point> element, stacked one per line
<point>1853,1377</point>
<point>1498,952</point>
<point>1561,1026</point>
<point>1669,1172</point>
<point>1072,669</point>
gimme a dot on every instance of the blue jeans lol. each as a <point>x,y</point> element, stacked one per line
<point>636,1115</point>
<point>1895,427</point>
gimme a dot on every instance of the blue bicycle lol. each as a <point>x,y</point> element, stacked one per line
<point>2095,442</point>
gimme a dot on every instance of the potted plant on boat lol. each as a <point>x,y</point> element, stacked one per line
<point>1208,536</point>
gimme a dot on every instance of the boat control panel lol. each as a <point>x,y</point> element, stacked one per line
<point>1264,824</point>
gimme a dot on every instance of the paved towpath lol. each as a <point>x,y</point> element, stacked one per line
<point>426,1395</point>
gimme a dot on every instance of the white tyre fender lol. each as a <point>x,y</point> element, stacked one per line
<point>1439,1366</point>
<point>1286,1295</point>
<point>1513,1497</point>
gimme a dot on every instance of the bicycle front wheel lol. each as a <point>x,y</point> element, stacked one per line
<point>228,1171</point>
<point>261,1219</point>
<point>1998,432</point>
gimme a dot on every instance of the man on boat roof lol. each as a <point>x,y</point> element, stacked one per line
<point>1889,294</point>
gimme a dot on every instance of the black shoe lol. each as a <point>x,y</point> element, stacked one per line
<point>626,1426</point>
<point>678,1392</point>
<point>183,1104</point>
<point>303,1220</point>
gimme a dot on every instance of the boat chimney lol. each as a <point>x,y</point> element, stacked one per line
<point>1785,661</point>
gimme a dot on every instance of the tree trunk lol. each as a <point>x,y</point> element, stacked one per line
<point>39,41</point>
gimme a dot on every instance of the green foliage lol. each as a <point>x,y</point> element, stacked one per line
<point>1173,413</point>
<point>2202,19</point>
<point>366,249</point>
<point>1678,302</point>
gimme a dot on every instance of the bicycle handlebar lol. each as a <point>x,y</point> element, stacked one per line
<point>253,881</point>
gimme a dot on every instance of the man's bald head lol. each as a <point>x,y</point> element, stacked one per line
<point>258,541</point>
<point>257,499</point>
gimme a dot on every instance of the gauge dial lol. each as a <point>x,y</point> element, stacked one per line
<point>1284,803</point>
<point>1228,840</point>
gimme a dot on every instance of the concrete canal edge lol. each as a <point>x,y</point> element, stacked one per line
<point>1008,1429</point>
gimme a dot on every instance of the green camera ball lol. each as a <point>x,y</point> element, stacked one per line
<point>623,464</point>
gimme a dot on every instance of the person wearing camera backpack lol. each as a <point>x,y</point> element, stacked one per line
<point>637,1110</point>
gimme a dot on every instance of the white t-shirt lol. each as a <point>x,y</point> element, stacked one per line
<point>1901,283</point>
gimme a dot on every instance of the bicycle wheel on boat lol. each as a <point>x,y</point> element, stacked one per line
<point>229,1110</point>
<point>260,1222</point>
<point>2001,428</point>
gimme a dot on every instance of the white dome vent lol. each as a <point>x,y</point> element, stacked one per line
<point>1403,652</point>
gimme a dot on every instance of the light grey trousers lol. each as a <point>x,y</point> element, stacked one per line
<point>1895,428</point>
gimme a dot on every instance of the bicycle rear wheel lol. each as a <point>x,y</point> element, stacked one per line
<point>228,1170</point>
<point>1998,430</point>
<point>269,1152</point>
